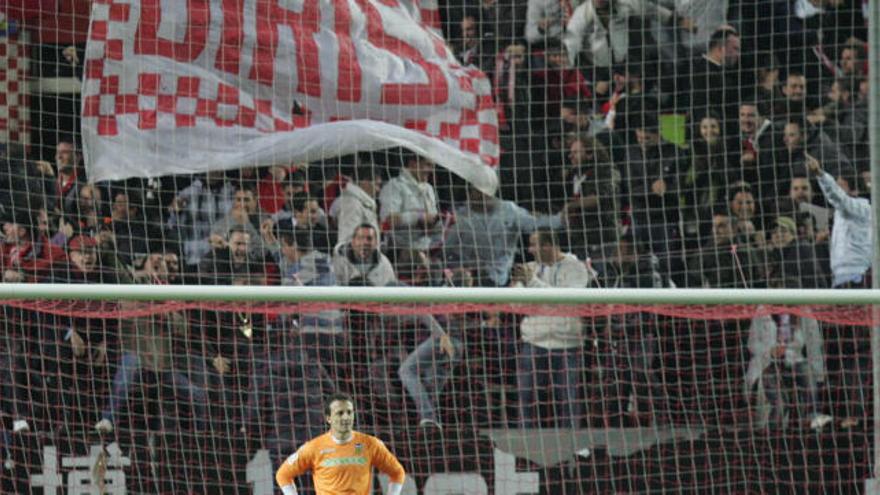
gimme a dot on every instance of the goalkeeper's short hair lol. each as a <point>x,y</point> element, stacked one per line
<point>337,396</point>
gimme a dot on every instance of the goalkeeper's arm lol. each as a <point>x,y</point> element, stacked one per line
<point>294,466</point>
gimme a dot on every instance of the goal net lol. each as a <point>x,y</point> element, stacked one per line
<point>209,397</point>
<point>520,145</point>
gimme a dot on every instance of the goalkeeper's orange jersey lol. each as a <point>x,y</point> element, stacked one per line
<point>341,469</point>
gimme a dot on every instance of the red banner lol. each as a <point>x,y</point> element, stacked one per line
<point>183,87</point>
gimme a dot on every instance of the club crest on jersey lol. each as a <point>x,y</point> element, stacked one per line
<point>358,448</point>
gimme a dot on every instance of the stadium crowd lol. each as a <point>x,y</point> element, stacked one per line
<point>674,143</point>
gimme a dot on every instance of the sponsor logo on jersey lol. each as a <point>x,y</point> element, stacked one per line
<point>344,461</point>
<point>327,451</point>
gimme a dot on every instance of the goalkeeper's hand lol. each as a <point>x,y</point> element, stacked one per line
<point>77,344</point>
<point>221,364</point>
<point>447,346</point>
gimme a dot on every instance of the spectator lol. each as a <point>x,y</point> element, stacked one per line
<point>304,213</point>
<point>600,31</point>
<point>746,222</point>
<point>651,176</point>
<point>155,343</point>
<point>756,143</point>
<point>721,263</point>
<point>195,210</point>
<point>703,182</point>
<point>299,264</point>
<point>413,267</point>
<point>799,139</point>
<point>297,181</point>
<point>595,188</point>
<point>86,266</point>
<point>715,79</point>
<point>235,258</point>
<point>64,180</point>
<point>129,226</point>
<point>845,120</point>
<point>425,371</point>
<point>360,258</point>
<point>486,236</point>
<point>705,18</point>
<point>852,61</point>
<point>235,343</point>
<point>172,261</point>
<point>469,48</point>
<point>556,81</point>
<point>632,336</point>
<point>791,153</point>
<point>546,20</point>
<point>767,90</point>
<point>26,255</point>
<point>278,183</point>
<point>409,205</point>
<point>784,347</point>
<point>574,116</point>
<point>852,234</point>
<point>292,387</point>
<point>499,23</point>
<point>244,215</point>
<point>795,104</point>
<point>357,203</point>
<point>512,87</point>
<point>801,32</point>
<point>551,355</point>
<point>86,217</point>
<point>14,402</point>
<point>852,238</point>
<point>58,183</point>
<point>789,258</point>
<point>80,346</point>
<point>800,193</point>
<point>630,96</point>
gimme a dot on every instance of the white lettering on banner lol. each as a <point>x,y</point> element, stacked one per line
<point>260,475</point>
<point>50,479</point>
<point>81,478</point>
<point>197,85</point>
<point>456,484</point>
<point>510,482</point>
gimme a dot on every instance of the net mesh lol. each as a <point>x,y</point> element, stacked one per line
<point>563,143</point>
<point>210,397</point>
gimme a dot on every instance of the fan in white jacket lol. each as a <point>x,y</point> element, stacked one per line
<point>409,205</point>
<point>546,19</point>
<point>852,234</point>
<point>556,332</point>
<point>605,45</point>
<point>551,355</point>
<point>357,204</point>
<point>787,342</point>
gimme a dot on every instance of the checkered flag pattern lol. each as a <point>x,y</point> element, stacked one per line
<point>14,109</point>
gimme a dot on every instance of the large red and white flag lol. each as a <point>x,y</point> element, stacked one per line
<point>186,86</point>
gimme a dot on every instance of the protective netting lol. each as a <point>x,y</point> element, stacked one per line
<point>210,397</point>
<point>561,143</point>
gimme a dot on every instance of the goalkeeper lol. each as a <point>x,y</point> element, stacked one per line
<point>341,460</point>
